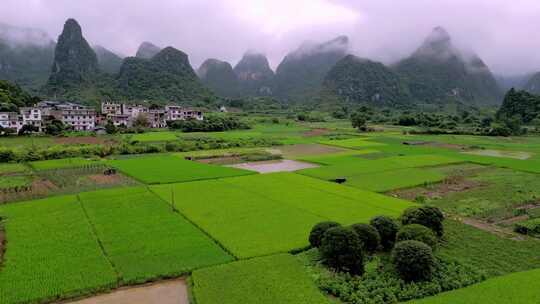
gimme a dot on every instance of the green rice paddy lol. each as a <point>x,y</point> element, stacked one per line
<point>267,280</point>
<point>165,169</point>
<point>62,163</point>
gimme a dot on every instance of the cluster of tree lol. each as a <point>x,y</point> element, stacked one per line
<point>211,123</point>
<point>411,244</point>
<point>12,97</point>
<point>520,105</point>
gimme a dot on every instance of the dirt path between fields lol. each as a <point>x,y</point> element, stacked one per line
<point>168,292</point>
<point>491,228</point>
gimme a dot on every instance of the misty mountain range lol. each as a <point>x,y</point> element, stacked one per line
<point>437,72</point>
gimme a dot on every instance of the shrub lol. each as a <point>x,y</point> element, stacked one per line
<point>341,249</point>
<point>413,261</point>
<point>416,232</point>
<point>428,216</point>
<point>317,232</point>
<point>387,229</point>
<point>369,236</point>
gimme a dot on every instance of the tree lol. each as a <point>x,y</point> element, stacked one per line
<point>387,229</point>
<point>413,260</point>
<point>141,121</point>
<point>359,121</point>
<point>318,231</point>
<point>341,249</point>
<point>110,128</point>
<point>369,236</point>
<point>27,129</point>
<point>431,217</point>
<point>416,232</point>
<point>55,127</point>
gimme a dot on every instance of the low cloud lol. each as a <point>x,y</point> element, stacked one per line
<point>503,33</point>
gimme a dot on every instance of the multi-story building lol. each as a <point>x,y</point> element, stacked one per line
<point>134,110</point>
<point>156,118</point>
<point>119,119</point>
<point>110,108</point>
<point>180,113</point>
<point>78,117</point>
<point>32,116</point>
<point>11,120</point>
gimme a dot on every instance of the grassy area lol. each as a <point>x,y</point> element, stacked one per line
<point>15,181</point>
<point>353,143</point>
<point>155,136</point>
<point>62,163</point>
<point>394,179</point>
<point>144,238</point>
<point>487,252</point>
<point>164,169</point>
<point>268,280</point>
<point>516,288</point>
<point>12,168</point>
<point>51,252</point>
<point>264,214</point>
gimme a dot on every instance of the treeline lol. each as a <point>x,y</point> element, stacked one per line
<point>211,123</point>
<point>187,144</point>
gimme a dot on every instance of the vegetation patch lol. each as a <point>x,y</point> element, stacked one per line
<point>381,284</point>
<point>530,227</point>
<point>62,163</point>
<point>155,136</point>
<point>353,143</point>
<point>264,214</point>
<point>170,169</point>
<point>12,168</point>
<point>52,252</point>
<point>267,280</point>
<point>145,238</point>
<point>514,288</point>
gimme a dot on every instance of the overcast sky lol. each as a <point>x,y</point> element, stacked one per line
<point>506,34</point>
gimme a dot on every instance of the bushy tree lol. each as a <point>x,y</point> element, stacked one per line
<point>429,216</point>
<point>341,249</point>
<point>318,231</point>
<point>359,121</point>
<point>141,121</point>
<point>369,236</point>
<point>416,232</point>
<point>110,128</point>
<point>387,228</point>
<point>55,127</point>
<point>413,260</point>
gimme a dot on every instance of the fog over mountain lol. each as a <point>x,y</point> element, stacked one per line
<point>503,33</point>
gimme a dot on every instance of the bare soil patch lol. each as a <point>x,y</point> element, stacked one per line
<point>169,292</point>
<point>449,185</point>
<point>500,153</point>
<point>102,179</point>
<point>306,150</point>
<point>82,140</point>
<point>224,160</point>
<point>284,165</point>
<point>437,145</point>
<point>316,132</point>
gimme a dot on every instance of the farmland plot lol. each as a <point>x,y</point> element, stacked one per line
<point>51,252</point>
<point>144,238</point>
<point>263,214</point>
<point>12,168</point>
<point>170,169</point>
<point>516,288</point>
<point>268,280</point>
<point>381,174</point>
<point>62,163</point>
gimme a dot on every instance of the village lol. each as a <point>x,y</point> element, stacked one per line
<point>78,117</point>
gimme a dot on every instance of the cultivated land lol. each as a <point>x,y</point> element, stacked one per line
<point>241,237</point>
<point>264,214</point>
<point>170,169</point>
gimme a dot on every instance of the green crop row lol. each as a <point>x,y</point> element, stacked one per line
<point>144,238</point>
<point>51,252</point>
<point>268,280</point>
<point>516,288</point>
<point>264,214</point>
<point>164,169</point>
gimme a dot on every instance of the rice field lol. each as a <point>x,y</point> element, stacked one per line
<point>516,288</point>
<point>272,213</point>
<point>267,280</point>
<point>62,163</point>
<point>144,238</point>
<point>51,252</point>
<point>155,136</point>
<point>165,169</point>
<point>12,168</point>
